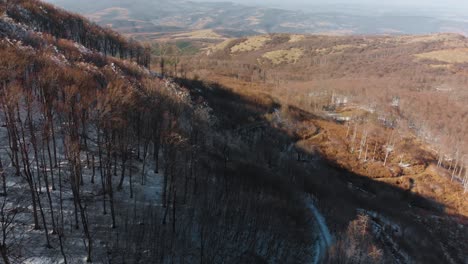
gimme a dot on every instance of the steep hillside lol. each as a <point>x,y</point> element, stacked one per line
<point>412,85</point>
<point>102,161</point>
<point>45,18</point>
<point>423,78</point>
<point>387,112</point>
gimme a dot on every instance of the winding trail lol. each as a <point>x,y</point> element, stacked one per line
<point>325,239</point>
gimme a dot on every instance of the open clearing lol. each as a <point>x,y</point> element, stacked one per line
<point>284,56</point>
<point>199,34</point>
<point>449,56</point>
<point>296,38</point>
<point>221,46</point>
<point>251,44</point>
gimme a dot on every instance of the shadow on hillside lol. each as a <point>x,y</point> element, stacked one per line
<point>411,220</point>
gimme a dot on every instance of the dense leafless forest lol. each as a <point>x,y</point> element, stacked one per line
<point>110,155</point>
<point>103,161</point>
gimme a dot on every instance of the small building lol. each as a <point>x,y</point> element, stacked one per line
<point>396,101</point>
<point>339,100</point>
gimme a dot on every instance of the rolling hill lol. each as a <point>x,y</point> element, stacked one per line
<point>411,68</point>
<point>151,19</point>
<point>387,108</point>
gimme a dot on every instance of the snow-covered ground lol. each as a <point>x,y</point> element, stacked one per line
<point>29,246</point>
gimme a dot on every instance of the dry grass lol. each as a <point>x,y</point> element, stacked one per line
<point>449,40</point>
<point>296,38</point>
<point>339,48</point>
<point>448,55</point>
<point>251,44</point>
<point>410,189</point>
<point>284,56</point>
<point>428,180</point>
<point>433,184</point>
<point>220,46</point>
<point>329,138</point>
<point>199,34</point>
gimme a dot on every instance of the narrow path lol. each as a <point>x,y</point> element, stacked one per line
<point>325,239</point>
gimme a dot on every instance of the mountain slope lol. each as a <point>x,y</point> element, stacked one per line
<point>103,161</point>
<point>385,111</point>
<point>412,69</point>
<point>46,18</point>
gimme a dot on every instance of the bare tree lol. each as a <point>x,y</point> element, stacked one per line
<point>7,217</point>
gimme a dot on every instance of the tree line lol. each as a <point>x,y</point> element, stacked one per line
<point>64,25</point>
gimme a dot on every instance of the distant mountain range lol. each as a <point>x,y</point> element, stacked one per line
<point>148,17</point>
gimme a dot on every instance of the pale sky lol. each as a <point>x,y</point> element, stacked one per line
<point>462,3</point>
<point>446,4</point>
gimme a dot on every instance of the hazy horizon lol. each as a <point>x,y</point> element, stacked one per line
<point>295,16</point>
<point>457,6</point>
<point>426,3</point>
<point>448,8</point>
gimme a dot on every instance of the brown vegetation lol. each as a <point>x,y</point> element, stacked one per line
<point>377,74</point>
<point>83,128</point>
<point>372,110</point>
<point>234,160</point>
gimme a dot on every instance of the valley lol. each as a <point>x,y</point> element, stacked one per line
<point>149,20</point>
<point>360,123</point>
